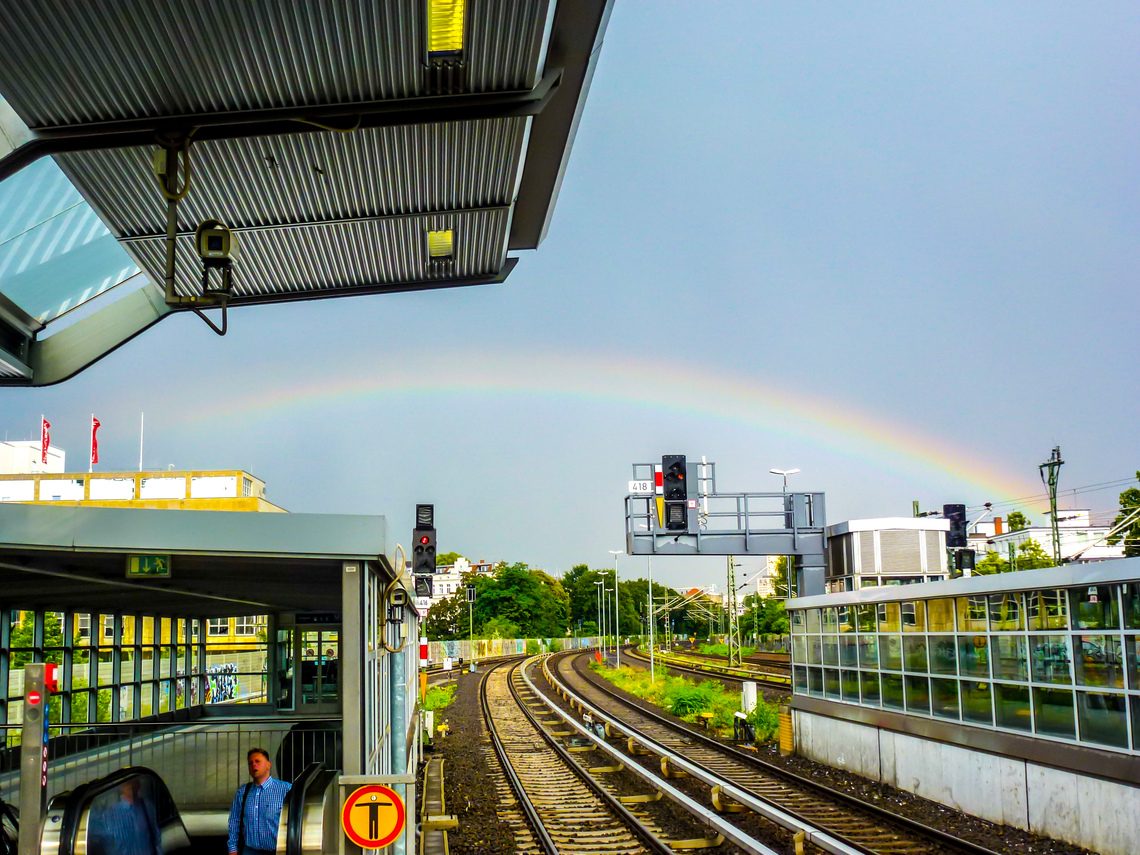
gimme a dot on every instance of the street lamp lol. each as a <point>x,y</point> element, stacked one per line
<point>601,635</point>
<point>617,618</point>
<point>785,473</point>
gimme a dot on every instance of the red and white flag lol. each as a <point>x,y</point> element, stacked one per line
<point>94,440</point>
<point>45,439</point>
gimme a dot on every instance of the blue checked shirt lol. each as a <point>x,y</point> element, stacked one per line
<point>262,814</point>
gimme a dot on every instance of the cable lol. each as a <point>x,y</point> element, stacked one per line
<point>329,128</point>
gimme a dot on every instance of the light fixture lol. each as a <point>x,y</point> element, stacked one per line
<point>441,244</point>
<point>445,29</point>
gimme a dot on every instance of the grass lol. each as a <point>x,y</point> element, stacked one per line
<point>439,697</point>
<point>722,650</point>
<point>687,699</point>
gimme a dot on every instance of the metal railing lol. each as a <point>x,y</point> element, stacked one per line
<point>203,762</point>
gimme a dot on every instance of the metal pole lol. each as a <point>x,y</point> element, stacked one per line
<point>652,621</point>
<point>471,633</point>
<point>617,618</point>
<point>598,590</point>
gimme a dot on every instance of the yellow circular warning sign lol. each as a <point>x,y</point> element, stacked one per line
<point>373,816</point>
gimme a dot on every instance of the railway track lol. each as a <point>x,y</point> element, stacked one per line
<point>567,809</point>
<point>835,822</point>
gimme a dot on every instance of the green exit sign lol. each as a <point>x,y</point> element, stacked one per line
<point>139,566</point>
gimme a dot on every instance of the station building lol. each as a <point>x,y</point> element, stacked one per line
<point>870,553</point>
<point>1013,697</point>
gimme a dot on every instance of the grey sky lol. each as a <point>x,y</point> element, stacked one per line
<point>893,223</point>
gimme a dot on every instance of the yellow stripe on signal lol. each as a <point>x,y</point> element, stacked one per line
<point>661,512</point>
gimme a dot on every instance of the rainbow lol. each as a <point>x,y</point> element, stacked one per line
<point>624,381</point>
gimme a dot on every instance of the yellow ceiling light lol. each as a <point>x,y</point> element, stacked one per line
<point>445,27</point>
<point>441,244</point>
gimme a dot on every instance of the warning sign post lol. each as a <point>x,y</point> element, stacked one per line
<point>373,816</point>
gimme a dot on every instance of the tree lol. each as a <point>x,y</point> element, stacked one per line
<point>780,576</point>
<point>1129,502</point>
<point>1030,556</point>
<point>447,559</point>
<point>499,627</point>
<point>447,619</point>
<point>1017,521</point>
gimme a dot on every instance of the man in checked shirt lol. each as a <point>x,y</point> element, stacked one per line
<point>256,810</point>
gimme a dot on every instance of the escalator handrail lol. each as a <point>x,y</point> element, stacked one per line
<point>297,807</point>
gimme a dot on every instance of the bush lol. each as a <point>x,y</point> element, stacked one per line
<point>439,697</point>
<point>532,647</point>
<point>766,720</point>
<point>555,645</point>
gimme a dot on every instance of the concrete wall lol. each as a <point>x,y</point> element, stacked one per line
<point>1099,815</point>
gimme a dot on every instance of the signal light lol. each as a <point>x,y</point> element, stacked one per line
<point>423,536</point>
<point>956,538</point>
<point>674,476</point>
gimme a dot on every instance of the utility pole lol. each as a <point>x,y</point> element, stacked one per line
<point>1053,464</point>
<point>733,620</point>
<point>652,621</point>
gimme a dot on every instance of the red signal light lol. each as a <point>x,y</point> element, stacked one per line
<point>423,540</point>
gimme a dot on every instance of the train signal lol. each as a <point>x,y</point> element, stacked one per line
<point>675,492</point>
<point>423,541</point>
<point>955,538</point>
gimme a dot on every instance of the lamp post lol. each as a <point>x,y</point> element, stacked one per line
<point>617,618</point>
<point>606,619</point>
<point>601,634</point>
<point>785,473</point>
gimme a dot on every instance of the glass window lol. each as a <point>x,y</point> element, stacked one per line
<point>1010,659</point>
<point>82,627</point>
<point>1132,605</point>
<point>914,654</point>
<point>974,655</point>
<point>831,682</point>
<point>1005,613</point>
<point>914,616</point>
<point>1012,706</point>
<point>1050,655</point>
<point>846,617</point>
<point>815,681</point>
<point>1053,712</point>
<point>245,625</point>
<point>797,621</point>
<point>815,651</point>
<point>976,703</point>
<point>869,685</point>
<point>944,698</point>
<point>848,651</point>
<point>868,651</point>
<point>218,626</point>
<point>972,614</point>
<point>918,695</point>
<point>1095,607</point>
<point>828,620</point>
<point>108,627</point>
<point>870,582</point>
<point>800,675</point>
<point>890,653</point>
<point>940,614</point>
<point>1132,648</point>
<point>943,656</point>
<point>799,649</point>
<point>849,685</point>
<point>888,617</point>
<point>812,617</point>
<point>1099,661</point>
<point>892,691</point>
<point>865,618</point>
<point>1101,716</point>
<point>1047,610</point>
<point>831,650</point>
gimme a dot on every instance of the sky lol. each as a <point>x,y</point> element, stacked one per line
<point>891,245</point>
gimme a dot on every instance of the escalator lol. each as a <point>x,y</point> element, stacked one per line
<point>131,812</point>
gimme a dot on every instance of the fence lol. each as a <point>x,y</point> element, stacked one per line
<point>484,648</point>
<point>202,764</point>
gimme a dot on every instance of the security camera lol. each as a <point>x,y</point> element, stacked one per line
<point>215,242</point>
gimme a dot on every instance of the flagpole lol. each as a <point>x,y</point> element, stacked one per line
<point>142,424</point>
<point>91,447</point>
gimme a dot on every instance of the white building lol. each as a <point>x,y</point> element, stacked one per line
<point>24,457</point>
<point>1075,528</point>
<point>886,551</point>
<point>448,579</point>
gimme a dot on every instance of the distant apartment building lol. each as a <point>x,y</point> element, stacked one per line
<point>887,551</point>
<point>1080,539</point>
<point>25,457</point>
<point>448,579</point>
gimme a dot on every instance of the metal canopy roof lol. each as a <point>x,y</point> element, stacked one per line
<point>478,146</point>
<point>224,563</point>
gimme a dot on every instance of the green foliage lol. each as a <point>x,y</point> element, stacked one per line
<point>446,559</point>
<point>1017,521</point>
<point>532,648</point>
<point>722,650</point>
<point>764,616</point>
<point>1130,536</point>
<point>555,645</point>
<point>1030,556</point>
<point>766,721</point>
<point>498,627</point>
<point>439,697</point>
